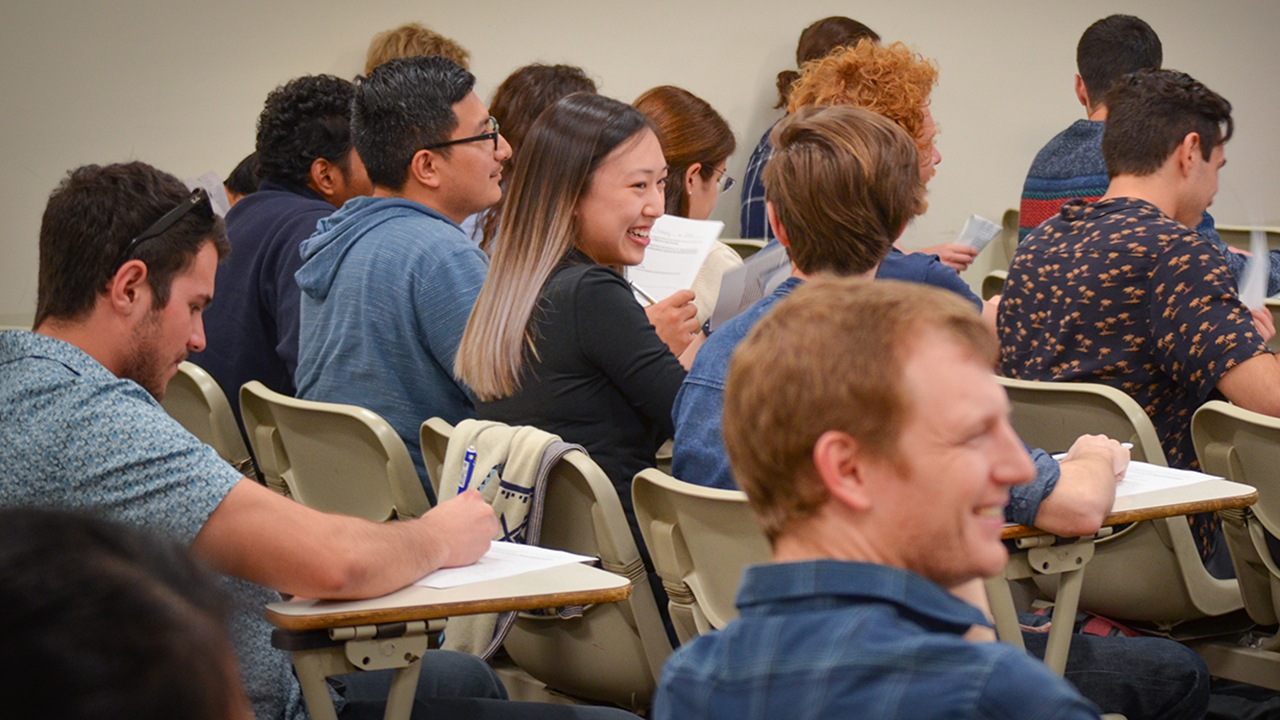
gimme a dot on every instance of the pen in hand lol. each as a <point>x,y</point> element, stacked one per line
<point>468,467</point>
<point>640,291</point>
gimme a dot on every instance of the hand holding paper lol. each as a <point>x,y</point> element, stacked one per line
<point>677,248</point>
<point>977,232</point>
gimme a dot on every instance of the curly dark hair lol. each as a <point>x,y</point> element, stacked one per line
<point>305,119</point>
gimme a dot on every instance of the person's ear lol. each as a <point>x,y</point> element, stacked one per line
<point>841,465</point>
<point>425,168</point>
<point>776,224</point>
<point>691,174</point>
<point>129,291</point>
<point>1187,152</point>
<point>324,178</point>
<point>1082,94</point>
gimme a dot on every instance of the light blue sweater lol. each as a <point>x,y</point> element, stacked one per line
<point>387,287</point>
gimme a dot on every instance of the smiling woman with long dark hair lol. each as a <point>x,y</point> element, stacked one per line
<point>556,339</point>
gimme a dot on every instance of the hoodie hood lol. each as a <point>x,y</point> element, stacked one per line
<point>324,252</point>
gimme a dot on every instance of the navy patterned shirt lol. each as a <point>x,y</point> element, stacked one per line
<point>1116,292</point>
<point>830,639</point>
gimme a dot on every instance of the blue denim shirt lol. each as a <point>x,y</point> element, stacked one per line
<point>830,639</point>
<point>698,455</point>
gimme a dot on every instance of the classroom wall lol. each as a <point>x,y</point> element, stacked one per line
<point>179,85</point>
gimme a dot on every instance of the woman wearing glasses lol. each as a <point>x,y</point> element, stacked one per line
<point>697,143</point>
<point>556,339</point>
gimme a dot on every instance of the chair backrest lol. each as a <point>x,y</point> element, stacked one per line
<point>744,247</point>
<point>1273,306</point>
<point>331,457</point>
<point>1244,447</point>
<point>1239,235</point>
<point>613,652</point>
<point>700,539</point>
<point>1150,571</point>
<point>1051,415</point>
<point>197,402</point>
<point>993,283</point>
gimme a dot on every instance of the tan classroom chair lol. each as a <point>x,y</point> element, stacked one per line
<point>744,247</point>
<point>1150,571</point>
<point>613,652</point>
<point>1239,235</point>
<point>335,458</point>
<point>1008,239</point>
<point>1273,306</point>
<point>993,283</point>
<point>1244,447</point>
<point>197,402</point>
<point>700,539</point>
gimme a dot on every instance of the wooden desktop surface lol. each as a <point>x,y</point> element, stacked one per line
<point>575,584</point>
<point>1206,496</point>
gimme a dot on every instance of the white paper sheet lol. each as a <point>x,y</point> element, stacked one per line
<point>977,232</point>
<point>757,277</point>
<point>212,184</point>
<point>503,560</point>
<point>677,247</point>
<point>1144,477</point>
<point>1253,282</point>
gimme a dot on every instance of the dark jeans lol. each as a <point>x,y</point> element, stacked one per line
<point>1139,677</point>
<point>458,687</point>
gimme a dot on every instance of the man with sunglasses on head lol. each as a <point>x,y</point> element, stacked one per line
<point>127,264</point>
<point>388,281</point>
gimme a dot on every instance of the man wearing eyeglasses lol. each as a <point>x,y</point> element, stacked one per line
<point>127,265</point>
<point>388,281</point>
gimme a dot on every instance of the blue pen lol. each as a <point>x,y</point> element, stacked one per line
<point>468,467</point>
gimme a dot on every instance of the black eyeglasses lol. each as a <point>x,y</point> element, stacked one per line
<point>167,221</point>
<point>491,135</point>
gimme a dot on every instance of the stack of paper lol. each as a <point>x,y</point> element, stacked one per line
<point>1144,477</point>
<point>503,560</point>
<point>978,231</point>
<point>677,247</point>
<point>743,286</point>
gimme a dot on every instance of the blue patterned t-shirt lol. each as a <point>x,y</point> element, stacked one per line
<point>73,436</point>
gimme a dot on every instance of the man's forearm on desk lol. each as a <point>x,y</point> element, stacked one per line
<point>265,538</point>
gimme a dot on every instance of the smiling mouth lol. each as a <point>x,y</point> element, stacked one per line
<point>640,235</point>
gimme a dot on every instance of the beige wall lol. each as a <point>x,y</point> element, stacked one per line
<point>179,85</point>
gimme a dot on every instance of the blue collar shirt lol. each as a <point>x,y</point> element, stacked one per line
<point>831,639</point>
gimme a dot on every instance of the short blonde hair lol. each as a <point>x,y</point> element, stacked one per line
<point>829,357</point>
<point>413,39</point>
<point>891,81</point>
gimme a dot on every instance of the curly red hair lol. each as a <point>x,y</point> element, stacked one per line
<point>891,81</point>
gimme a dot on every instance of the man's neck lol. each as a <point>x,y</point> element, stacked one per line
<point>421,195</point>
<point>868,275</point>
<point>1097,112</point>
<point>1151,188</point>
<point>95,338</point>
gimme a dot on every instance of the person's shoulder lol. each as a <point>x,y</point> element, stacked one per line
<point>1074,152</point>
<point>576,275</point>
